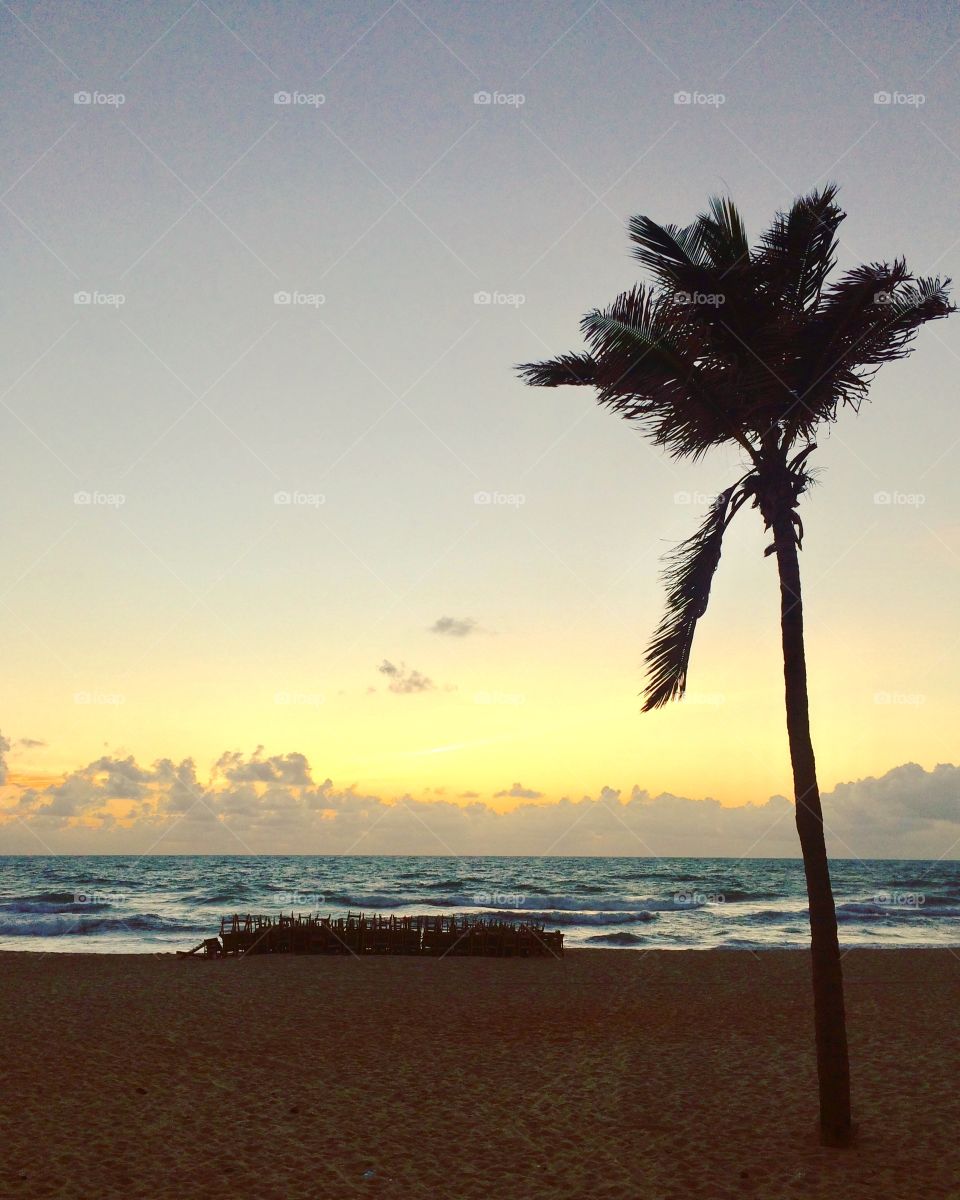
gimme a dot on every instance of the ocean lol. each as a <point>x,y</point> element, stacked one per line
<point>161,904</point>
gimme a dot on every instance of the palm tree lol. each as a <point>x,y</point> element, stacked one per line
<point>753,347</point>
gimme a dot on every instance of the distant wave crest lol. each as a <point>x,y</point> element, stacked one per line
<point>62,925</point>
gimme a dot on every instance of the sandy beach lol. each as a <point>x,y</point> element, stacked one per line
<point>667,1075</point>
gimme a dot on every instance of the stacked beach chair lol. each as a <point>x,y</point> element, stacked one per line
<point>357,933</point>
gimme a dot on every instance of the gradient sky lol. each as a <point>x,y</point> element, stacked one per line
<point>185,613</point>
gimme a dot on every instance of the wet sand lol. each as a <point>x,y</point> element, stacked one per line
<point>664,1074</point>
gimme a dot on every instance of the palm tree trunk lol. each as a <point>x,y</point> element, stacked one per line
<point>832,1064</point>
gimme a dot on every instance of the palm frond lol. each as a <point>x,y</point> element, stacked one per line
<point>640,323</point>
<point>798,251</point>
<point>870,317</point>
<point>576,369</point>
<point>647,347</point>
<point>900,317</point>
<point>768,353</point>
<point>723,234</point>
<point>688,577</point>
<point>674,256</point>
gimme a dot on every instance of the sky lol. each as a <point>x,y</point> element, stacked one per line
<point>274,494</point>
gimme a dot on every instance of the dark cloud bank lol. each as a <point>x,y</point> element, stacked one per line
<point>274,804</point>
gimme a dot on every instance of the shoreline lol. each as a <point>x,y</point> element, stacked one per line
<point>664,1075</point>
<point>761,950</point>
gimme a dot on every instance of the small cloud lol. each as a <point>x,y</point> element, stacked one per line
<point>292,769</point>
<point>404,681</point>
<point>454,626</point>
<point>518,792</point>
<point>469,796</point>
<point>30,743</point>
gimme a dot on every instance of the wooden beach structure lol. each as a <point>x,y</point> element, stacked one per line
<point>357,933</point>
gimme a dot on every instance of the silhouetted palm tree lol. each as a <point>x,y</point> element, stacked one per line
<point>752,346</point>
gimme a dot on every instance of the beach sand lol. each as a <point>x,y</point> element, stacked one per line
<point>668,1075</point>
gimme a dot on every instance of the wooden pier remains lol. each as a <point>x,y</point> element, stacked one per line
<point>357,933</point>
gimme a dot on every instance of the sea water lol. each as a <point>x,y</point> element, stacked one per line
<point>161,904</point>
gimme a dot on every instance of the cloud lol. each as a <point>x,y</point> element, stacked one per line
<point>4,748</point>
<point>404,681</point>
<point>454,626</point>
<point>87,792</point>
<point>281,768</point>
<point>518,792</point>
<point>30,743</point>
<point>274,805</point>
